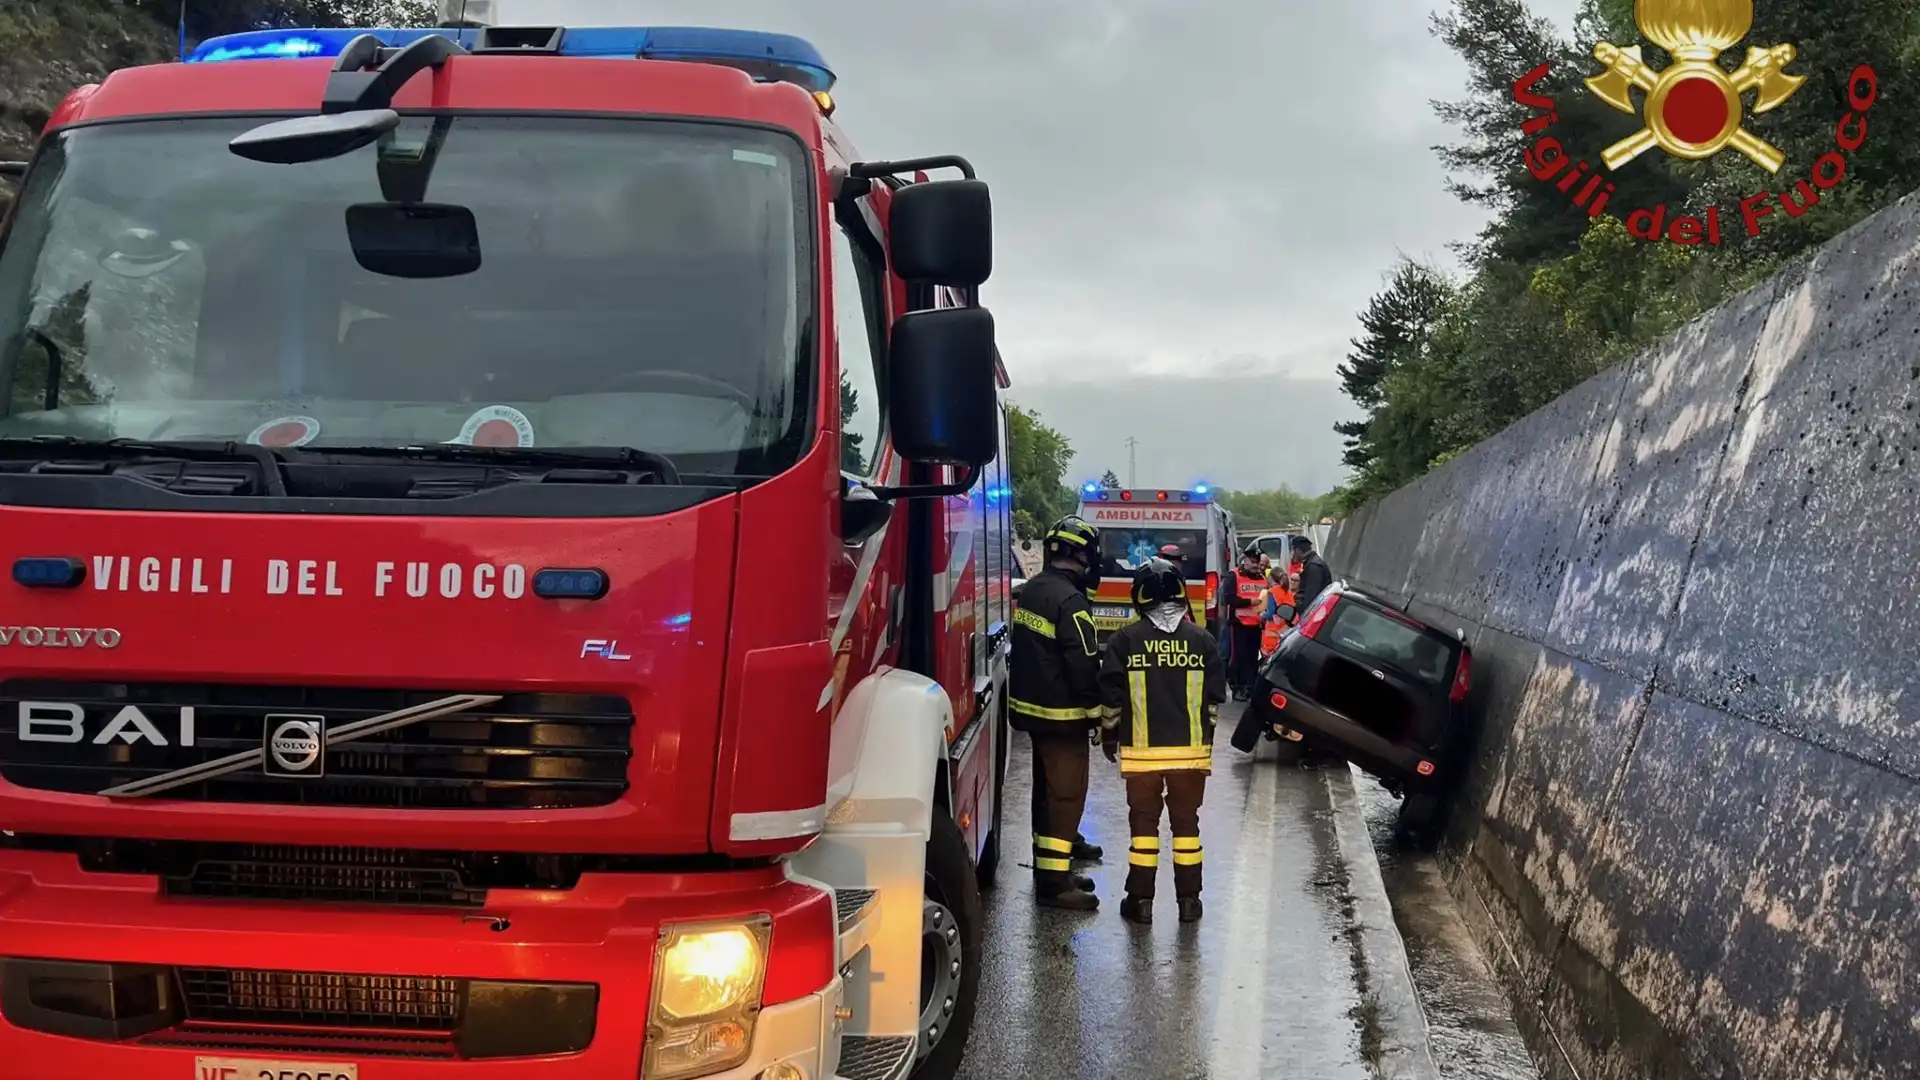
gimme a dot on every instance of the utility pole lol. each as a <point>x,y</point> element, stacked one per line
<point>1133,478</point>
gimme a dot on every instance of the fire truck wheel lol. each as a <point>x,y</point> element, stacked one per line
<point>950,929</point>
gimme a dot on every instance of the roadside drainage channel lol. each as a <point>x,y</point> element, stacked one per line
<point>1395,1036</point>
<point>1470,1026</point>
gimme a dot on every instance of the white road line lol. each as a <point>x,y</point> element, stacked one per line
<point>1237,1029</point>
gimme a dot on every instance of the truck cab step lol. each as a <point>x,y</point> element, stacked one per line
<point>858,913</point>
<point>866,1057</point>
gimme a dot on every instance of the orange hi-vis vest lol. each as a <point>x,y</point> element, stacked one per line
<point>1271,633</point>
<point>1254,591</point>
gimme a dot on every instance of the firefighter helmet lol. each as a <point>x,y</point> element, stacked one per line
<point>1157,582</point>
<point>1071,537</point>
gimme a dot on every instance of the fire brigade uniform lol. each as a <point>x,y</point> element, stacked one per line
<point>1053,695</point>
<point>1160,694</point>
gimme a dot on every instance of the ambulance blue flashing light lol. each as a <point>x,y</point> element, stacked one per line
<point>1201,489</point>
<point>797,60</point>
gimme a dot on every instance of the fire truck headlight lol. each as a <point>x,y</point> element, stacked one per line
<point>707,982</point>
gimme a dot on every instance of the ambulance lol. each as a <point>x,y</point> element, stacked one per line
<point>1137,524</point>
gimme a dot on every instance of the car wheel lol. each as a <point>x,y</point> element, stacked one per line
<point>1420,819</point>
<point>1288,752</point>
<point>950,953</point>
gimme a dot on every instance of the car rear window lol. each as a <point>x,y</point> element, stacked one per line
<point>1423,654</point>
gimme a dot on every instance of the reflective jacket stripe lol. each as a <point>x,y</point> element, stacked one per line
<point>1137,697</point>
<point>1042,712</point>
<point>1196,706</point>
<point>1033,622</point>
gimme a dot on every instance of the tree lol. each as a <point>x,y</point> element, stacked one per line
<point>1396,326</point>
<point>1552,296</point>
<point>1037,459</point>
<point>852,459</point>
<point>1275,509</point>
<point>209,18</point>
<point>1110,481</point>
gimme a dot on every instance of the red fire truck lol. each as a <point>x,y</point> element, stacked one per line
<point>508,534</point>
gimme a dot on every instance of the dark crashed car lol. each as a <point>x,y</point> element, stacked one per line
<point>1362,681</point>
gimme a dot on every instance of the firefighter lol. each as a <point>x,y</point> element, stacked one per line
<point>1250,586</point>
<point>1053,695</point>
<point>1161,686</point>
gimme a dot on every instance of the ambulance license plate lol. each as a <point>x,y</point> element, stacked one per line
<point>224,1068</point>
<point>1113,612</point>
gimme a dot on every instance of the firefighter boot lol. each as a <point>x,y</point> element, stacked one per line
<point>1189,908</point>
<point>1086,852</point>
<point>1069,899</point>
<point>1139,909</point>
<point>1081,882</point>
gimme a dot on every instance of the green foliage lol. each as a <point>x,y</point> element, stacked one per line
<point>1550,297</point>
<point>852,457</point>
<point>1278,508</point>
<point>208,18</point>
<point>1109,481</point>
<point>1038,457</point>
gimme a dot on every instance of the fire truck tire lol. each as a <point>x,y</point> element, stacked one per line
<point>950,952</point>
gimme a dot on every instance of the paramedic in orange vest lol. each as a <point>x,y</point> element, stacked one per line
<point>1279,611</point>
<point>1243,654</point>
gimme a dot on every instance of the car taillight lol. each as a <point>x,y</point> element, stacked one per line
<point>1213,591</point>
<point>1462,677</point>
<point>1317,616</point>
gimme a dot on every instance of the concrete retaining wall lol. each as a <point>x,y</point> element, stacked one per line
<point>1689,832</point>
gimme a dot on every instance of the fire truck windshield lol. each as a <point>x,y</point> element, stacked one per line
<point>640,283</point>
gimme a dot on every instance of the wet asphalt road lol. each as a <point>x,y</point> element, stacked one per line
<point>1265,986</point>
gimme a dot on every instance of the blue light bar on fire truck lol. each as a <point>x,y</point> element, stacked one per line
<point>1095,493</point>
<point>767,57</point>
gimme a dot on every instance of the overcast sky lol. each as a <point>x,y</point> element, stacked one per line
<point>1192,198</point>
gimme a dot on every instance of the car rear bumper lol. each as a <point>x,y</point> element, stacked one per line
<point>601,934</point>
<point>1322,727</point>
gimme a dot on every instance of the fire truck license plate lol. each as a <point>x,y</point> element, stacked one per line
<point>221,1068</point>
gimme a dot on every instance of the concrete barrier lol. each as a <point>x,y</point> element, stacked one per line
<point>1689,832</point>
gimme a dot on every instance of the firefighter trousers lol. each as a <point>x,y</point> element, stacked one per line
<point>1181,792</point>
<point>1059,799</point>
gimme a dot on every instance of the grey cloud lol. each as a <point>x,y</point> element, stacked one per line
<point>1202,187</point>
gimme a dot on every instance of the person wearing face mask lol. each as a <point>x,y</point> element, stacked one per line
<point>1161,685</point>
<point>1053,694</point>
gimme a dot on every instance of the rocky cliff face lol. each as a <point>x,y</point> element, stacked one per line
<point>48,47</point>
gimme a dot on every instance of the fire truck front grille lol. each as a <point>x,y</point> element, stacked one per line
<point>525,751</point>
<point>314,999</point>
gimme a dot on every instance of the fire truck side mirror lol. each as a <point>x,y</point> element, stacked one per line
<point>941,395</point>
<point>941,233</point>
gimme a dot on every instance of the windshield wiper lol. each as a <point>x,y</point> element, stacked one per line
<point>584,457</point>
<point>271,462</point>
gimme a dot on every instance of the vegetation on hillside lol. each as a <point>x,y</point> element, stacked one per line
<point>1549,296</point>
<point>1037,460</point>
<point>1278,508</point>
<point>50,47</point>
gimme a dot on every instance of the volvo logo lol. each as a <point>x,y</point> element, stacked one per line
<point>295,745</point>
<point>60,637</point>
